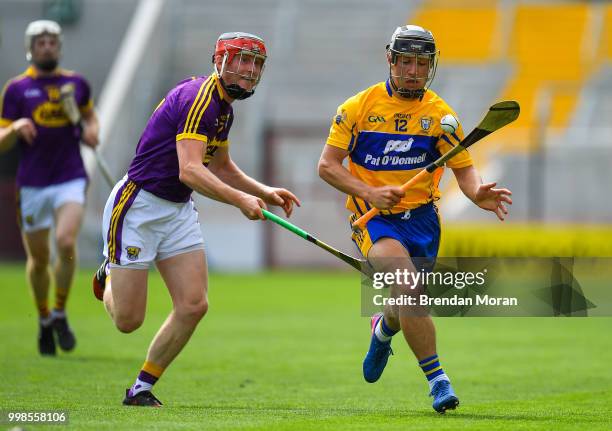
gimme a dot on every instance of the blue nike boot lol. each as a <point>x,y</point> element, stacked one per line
<point>378,354</point>
<point>444,396</point>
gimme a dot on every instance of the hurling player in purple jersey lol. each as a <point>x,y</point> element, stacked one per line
<point>51,178</point>
<point>150,216</point>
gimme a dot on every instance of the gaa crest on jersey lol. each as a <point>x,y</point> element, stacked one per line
<point>132,252</point>
<point>53,92</point>
<point>426,123</point>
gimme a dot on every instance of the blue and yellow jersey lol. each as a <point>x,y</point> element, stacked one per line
<point>391,139</point>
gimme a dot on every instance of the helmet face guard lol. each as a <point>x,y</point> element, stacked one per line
<point>244,56</point>
<point>38,28</point>
<point>411,48</point>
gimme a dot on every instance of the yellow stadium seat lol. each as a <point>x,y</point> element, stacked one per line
<point>464,33</point>
<point>606,40</point>
<point>545,47</point>
<point>547,50</point>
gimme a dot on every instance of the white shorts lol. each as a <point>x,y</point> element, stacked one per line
<point>37,205</point>
<point>139,228</point>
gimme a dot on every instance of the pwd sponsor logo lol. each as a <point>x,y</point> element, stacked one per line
<point>398,146</point>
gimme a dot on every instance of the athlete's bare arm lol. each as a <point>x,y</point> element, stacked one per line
<point>91,129</point>
<point>23,128</point>
<point>483,195</point>
<point>225,169</point>
<point>193,174</point>
<point>334,173</point>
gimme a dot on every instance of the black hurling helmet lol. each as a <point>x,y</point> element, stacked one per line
<point>413,41</point>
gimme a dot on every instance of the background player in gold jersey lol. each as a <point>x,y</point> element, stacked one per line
<point>389,132</point>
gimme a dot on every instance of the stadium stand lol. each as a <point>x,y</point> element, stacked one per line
<point>552,56</point>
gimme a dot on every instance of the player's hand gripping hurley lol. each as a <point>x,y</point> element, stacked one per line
<point>71,109</point>
<point>499,115</point>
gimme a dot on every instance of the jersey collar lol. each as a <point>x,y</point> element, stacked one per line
<point>32,73</point>
<point>390,93</point>
<point>388,86</point>
<point>219,87</point>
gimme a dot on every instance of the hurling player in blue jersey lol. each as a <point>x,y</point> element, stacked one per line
<point>389,132</point>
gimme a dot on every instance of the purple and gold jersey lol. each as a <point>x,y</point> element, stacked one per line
<point>194,109</point>
<point>390,140</point>
<point>54,157</point>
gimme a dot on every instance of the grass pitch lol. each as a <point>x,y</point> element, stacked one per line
<point>283,350</point>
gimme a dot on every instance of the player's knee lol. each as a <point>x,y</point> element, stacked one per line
<point>38,261</point>
<point>66,245</point>
<point>193,312</point>
<point>127,324</point>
